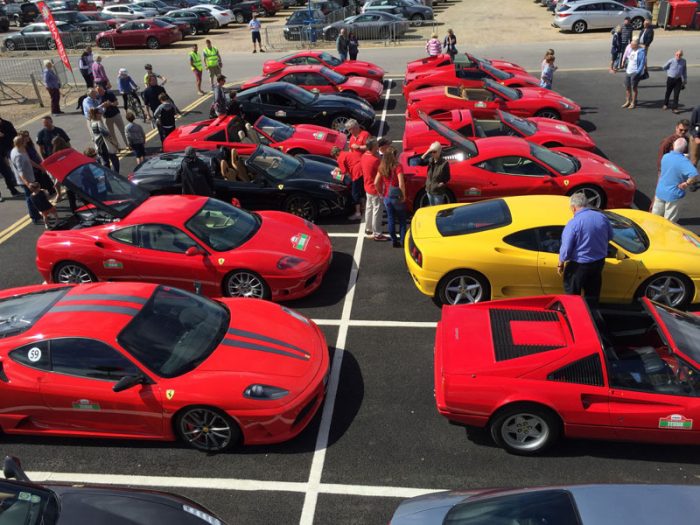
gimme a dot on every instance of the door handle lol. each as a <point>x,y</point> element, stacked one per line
<point>99,244</point>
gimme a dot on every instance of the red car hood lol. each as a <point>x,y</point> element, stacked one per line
<point>420,94</point>
<point>538,93</point>
<point>592,164</point>
<point>311,132</point>
<point>359,64</point>
<point>425,63</point>
<point>506,66</point>
<point>548,125</point>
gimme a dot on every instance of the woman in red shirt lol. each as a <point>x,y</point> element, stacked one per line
<point>357,143</point>
<point>390,183</point>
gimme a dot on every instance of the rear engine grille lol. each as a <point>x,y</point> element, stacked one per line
<point>504,347</point>
<point>586,371</point>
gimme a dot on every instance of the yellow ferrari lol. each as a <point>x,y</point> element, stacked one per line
<point>500,248</point>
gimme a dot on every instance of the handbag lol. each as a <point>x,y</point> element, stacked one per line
<point>644,75</point>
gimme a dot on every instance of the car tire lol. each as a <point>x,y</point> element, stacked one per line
<point>549,113</point>
<point>10,45</point>
<point>104,43</point>
<point>245,283</point>
<point>462,287</point>
<point>70,272</point>
<point>595,196</point>
<point>194,426</point>
<point>193,31</point>
<point>240,19</point>
<point>417,20</point>
<point>302,206</point>
<point>297,151</point>
<point>579,27</point>
<point>637,23</point>
<point>337,123</point>
<point>421,199</point>
<point>525,429</point>
<point>670,288</point>
<point>50,44</point>
<point>152,43</point>
<point>217,25</point>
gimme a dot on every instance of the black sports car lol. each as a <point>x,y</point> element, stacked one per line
<point>55,503</point>
<point>302,185</point>
<point>290,103</point>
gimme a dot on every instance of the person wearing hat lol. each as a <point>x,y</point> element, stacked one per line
<point>212,61</point>
<point>195,175</point>
<point>357,144</point>
<point>127,87</point>
<point>438,175</point>
<point>220,99</point>
<point>150,73</point>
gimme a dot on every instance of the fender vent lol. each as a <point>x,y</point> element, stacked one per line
<point>586,371</point>
<point>503,345</point>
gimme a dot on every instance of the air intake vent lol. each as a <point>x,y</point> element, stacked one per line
<point>504,347</point>
<point>586,371</point>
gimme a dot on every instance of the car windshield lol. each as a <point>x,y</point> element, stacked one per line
<point>104,188</point>
<point>274,129</point>
<point>175,331</point>
<point>472,218</point>
<point>627,233</point>
<point>525,127</point>
<point>507,92</point>
<point>274,163</point>
<point>27,505</point>
<point>495,73</point>
<point>299,94</point>
<point>330,59</point>
<point>336,78</point>
<point>542,506</point>
<point>453,136</point>
<point>160,23</point>
<point>19,313</point>
<point>684,329</point>
<point>562,164</point>
<point>222,226</point>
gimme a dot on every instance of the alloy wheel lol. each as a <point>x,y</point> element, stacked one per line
<point>525,431</point>
<point>667,289</point>
<point>245,284</point>
<point>463,289</point>
<point>73,274</point>
<point>206,429</point>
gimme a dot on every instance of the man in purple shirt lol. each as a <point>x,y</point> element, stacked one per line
<point>584,246</point>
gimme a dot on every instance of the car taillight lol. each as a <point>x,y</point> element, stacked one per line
<point>563,15</point>
<point>416,254</point>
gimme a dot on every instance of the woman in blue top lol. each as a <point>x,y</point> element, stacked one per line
<point>127,87</point>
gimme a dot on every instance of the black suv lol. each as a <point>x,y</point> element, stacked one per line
<point>21,13</point>
<point>301,26</point>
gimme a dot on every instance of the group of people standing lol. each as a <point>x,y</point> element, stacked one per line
<point>448,45</point>
<point>347,45</point>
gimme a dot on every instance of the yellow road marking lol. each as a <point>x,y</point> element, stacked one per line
<point>14,228</point>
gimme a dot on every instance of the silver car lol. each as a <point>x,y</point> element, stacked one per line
<point>582,15</point>
<point>570,505</point>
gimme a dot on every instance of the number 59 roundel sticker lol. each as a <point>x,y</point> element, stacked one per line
<point>34,354</point>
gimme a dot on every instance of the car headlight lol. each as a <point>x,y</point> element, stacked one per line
<point>295,314</point>
<point>565,105</point>
<point>288,262</point>
<point>264,392</point>
<point>201,515</point>
<point>618,180</point>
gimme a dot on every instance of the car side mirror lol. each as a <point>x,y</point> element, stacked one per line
<point>193,250</point>
<point>236,202</point>
<point>315,90</point>
<point>620,255</point>
<point>119,30</point>
<point>12,468</point>
<point>127,382</point>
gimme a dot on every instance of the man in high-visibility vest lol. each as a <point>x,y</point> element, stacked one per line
<point>212,61</point>
<point>196,65</point>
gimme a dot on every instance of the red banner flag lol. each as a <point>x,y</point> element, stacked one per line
<point>51,23</point>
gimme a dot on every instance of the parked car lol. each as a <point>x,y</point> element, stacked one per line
<point>242,10</point>
<point>321,58</point>
<point>79,20</point>
<point>151,33</point>
<point>368,26</point>
<point>326,6</point>
<point>61,503</point>
<point>147,12</point>
<point>199,24</point>
<point>4,19</point>
<point>38,36</point>
<point>184,27</point>
<point>583,15</point>
<point>123,11</point>
<point>160,7</point>
<point>303,24</point>
<point>111,20</point>
<point>21,14</point>
<point>417,14</point>
<point>222,15</point>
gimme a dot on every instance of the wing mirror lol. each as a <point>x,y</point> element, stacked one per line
<point>193,250</point>
<point>12,468</point>
<point>620,255</point>
<point>315,90</point>
<point>236,202</point>
<point>127,382</point>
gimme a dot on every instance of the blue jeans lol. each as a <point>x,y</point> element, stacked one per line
<point>395,210</point>
<point>33,212</point>
<point>343,56</point>
<point>436,198</point>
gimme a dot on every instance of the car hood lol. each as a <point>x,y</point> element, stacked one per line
<point>123,507</point>
<point>318,171</point>
<point>334,101</point>
<point>538,93</point>
<point>367,83</point>
<point>667,238</point>
<point>429,92</point>
<point>360,66</point>
<point>592,164</point>
<point>430,508</point>
<point>548,125</point>
<point>319,133</point>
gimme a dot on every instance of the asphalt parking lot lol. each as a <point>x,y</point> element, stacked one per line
<point>379,437</point>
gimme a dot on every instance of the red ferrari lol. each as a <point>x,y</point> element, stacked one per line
<point>232,132</point>
<point>203,244</point>
<point>426,64</point>
<point>544,131</point>
<point>322,80</point>
<point>140,361</point>
<point>501,166</point>
<point>534,369</point>
<point>465,73</point>
<point>310,57</point>
<point>522,102</point>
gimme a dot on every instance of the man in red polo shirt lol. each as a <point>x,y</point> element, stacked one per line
<point>357,145</point>
<point>373,209</point>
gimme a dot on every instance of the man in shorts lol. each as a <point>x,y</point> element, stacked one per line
<point>636,63</point>
<point>254,26</point>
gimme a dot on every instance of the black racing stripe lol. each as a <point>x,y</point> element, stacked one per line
<point>253,335</point>
<point>94,308</point>
<point>262,348</point>
<point>106,297</point>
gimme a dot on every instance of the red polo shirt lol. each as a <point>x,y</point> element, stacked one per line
<point>355,155</point>
<point>369,165</point>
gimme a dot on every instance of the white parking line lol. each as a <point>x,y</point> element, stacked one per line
<point>394,114</point>
<point>311,497</point>
<point>342,234</point>
<point>370,323</point>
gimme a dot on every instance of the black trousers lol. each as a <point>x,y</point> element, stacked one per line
<point>673,84</point>
<point>87,76</point>
<point>586,278</point>
<point>8,175</point>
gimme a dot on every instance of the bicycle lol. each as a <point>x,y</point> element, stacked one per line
<point>133,103</point>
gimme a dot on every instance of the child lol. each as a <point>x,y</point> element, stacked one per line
<point>40,200</point>
<point>548,72</point>
<point>135,137</point>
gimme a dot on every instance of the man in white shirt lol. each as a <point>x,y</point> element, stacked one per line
<point>636,63</point>
<point>254,26</point>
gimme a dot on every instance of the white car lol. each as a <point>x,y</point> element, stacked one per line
<point>582,15</point>
<point>123,11</point>
<point>222,15</point>
<point>148,12</point>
